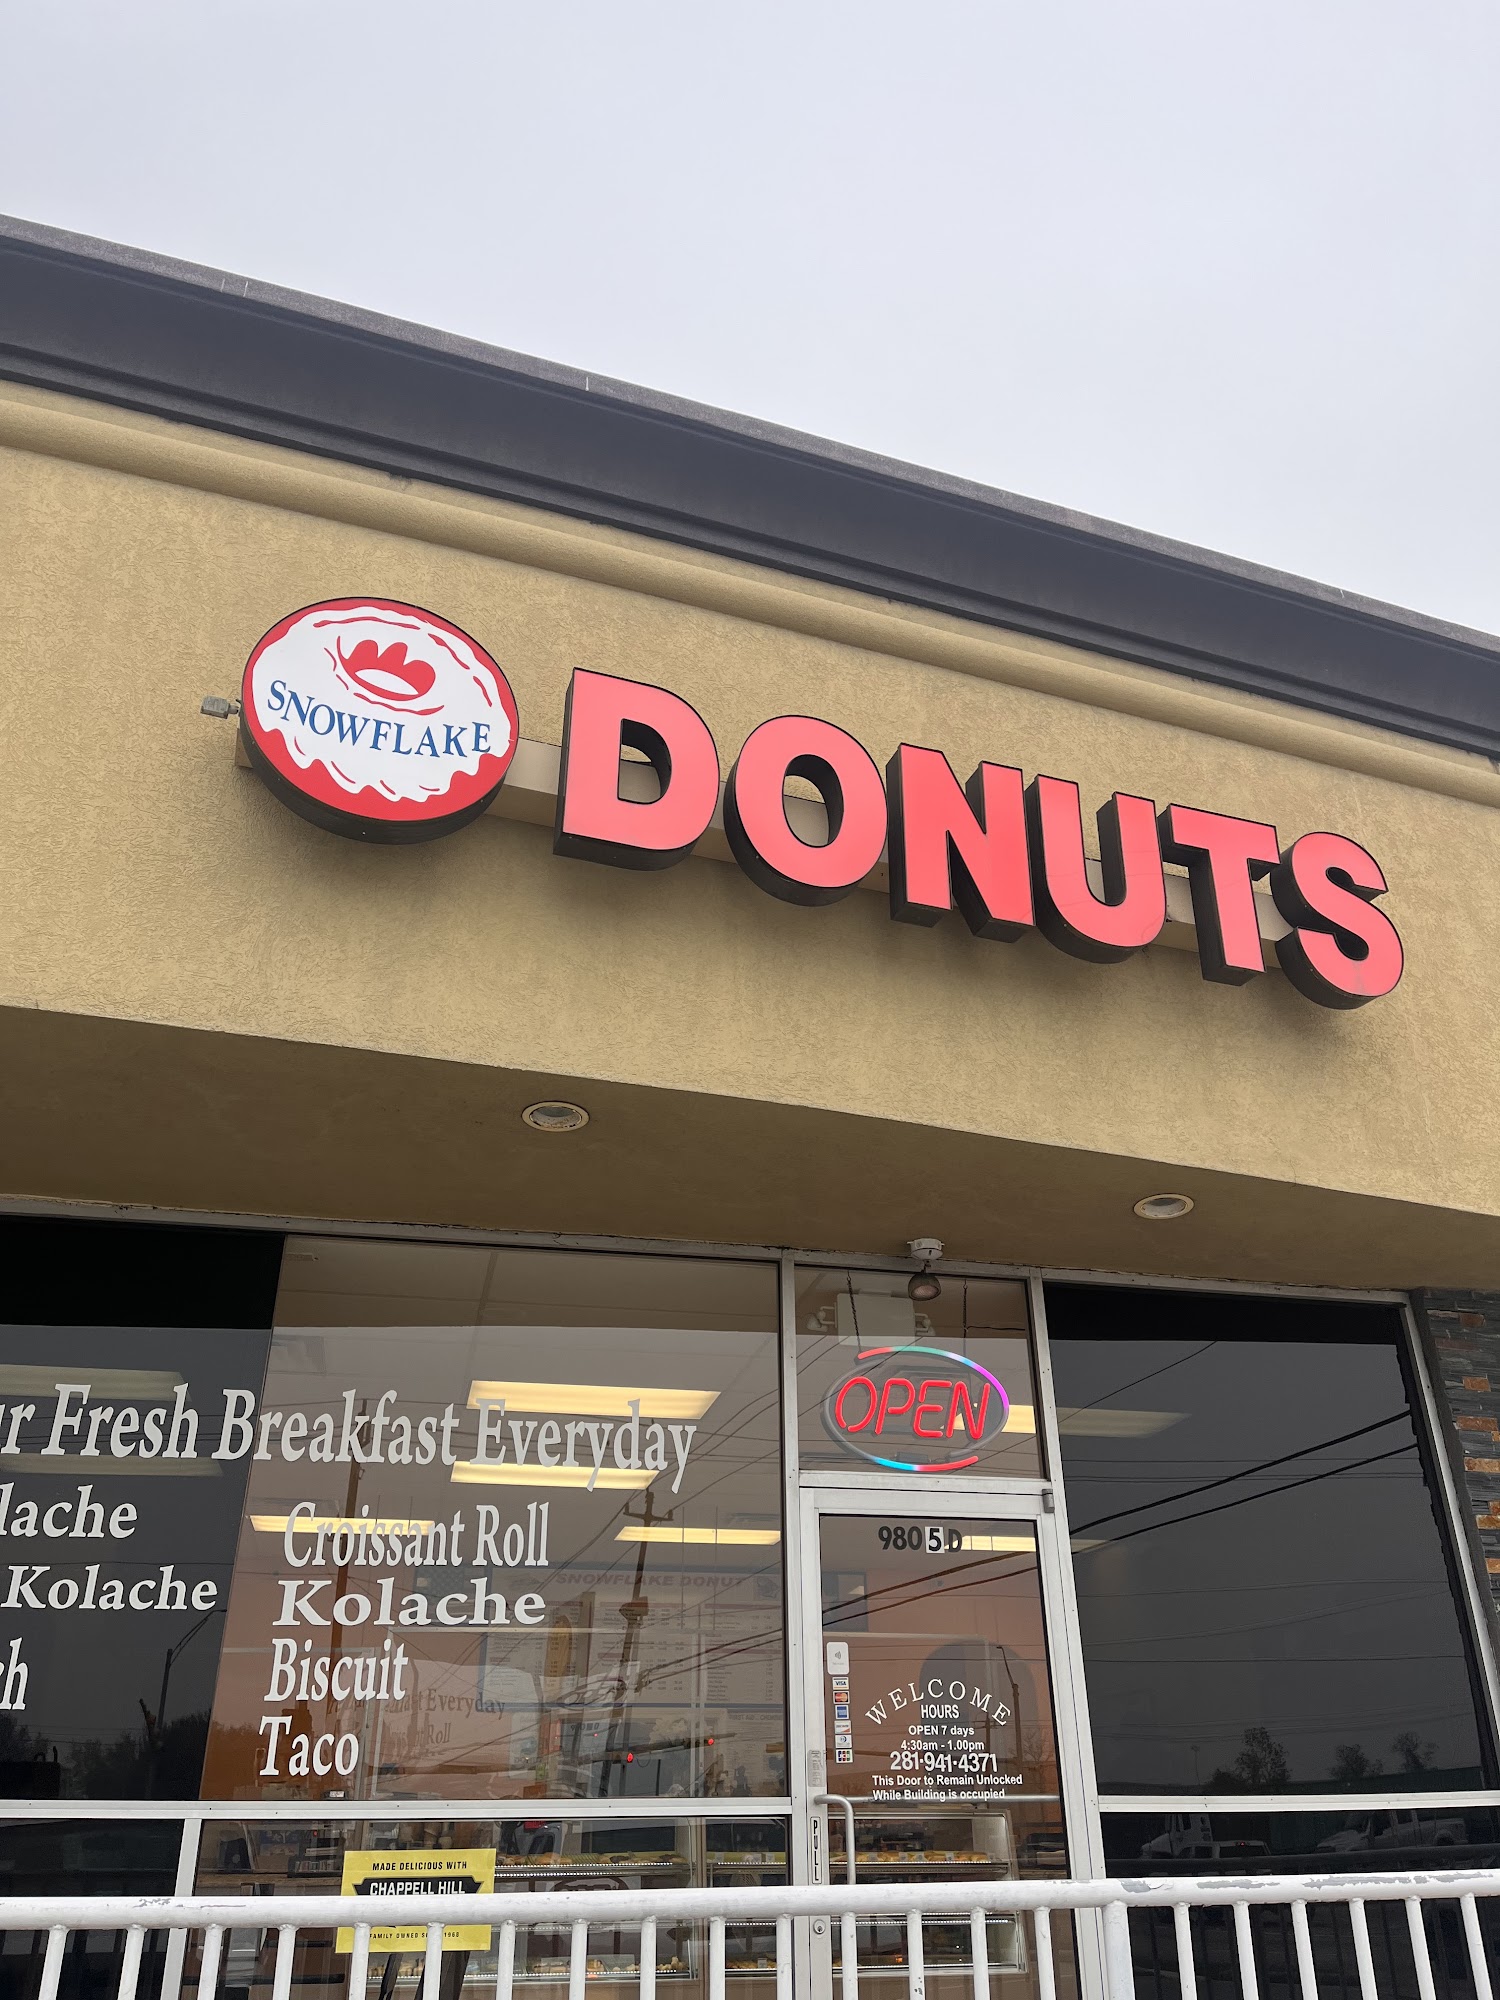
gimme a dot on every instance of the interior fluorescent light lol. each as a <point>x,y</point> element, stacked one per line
<point>276,1524</point>
<point>131,1385</point>
<point>1022,1419</point>
<point>1116,1423</point>
<point>470,1472</point>
<point>751,1538</point>
<point>591,1399</point>
<point>1001,1545</point>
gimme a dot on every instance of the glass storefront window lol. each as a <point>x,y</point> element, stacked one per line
<point>118,1515</point>
<point>513,1530</point>
<point>541,1855</point>
<point>891,1384</point>
<point>1263,1593</point>
<point>63,1857</point>
<point>1272,1843</point>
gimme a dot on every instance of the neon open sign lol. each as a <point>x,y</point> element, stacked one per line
<point>938,1409</point>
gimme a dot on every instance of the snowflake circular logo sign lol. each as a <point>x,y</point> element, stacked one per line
<point>377,720</point>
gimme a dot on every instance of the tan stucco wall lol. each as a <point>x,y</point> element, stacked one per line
<point>150,881</point>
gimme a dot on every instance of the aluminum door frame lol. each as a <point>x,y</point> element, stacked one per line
<point>996,1500</point>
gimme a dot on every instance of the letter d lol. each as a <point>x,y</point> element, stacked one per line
<point>594,822</point>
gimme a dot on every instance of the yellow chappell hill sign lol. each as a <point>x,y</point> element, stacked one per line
<point>390,1872</point>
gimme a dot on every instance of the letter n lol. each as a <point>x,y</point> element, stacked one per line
<point>958,847</point>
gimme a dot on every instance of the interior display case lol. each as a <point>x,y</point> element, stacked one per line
<point>1021,1842</point>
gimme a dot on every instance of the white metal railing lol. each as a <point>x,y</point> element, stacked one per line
<point>577,1912</point>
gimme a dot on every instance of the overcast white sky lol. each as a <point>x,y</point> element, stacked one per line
<point>1228,270</point>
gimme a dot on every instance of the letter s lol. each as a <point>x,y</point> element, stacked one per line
<point>1342,952</point>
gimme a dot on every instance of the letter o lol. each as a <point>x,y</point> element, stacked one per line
<point>957,1690</point>
<point>351,1745</point>
<point>54,1595</point>
<point>755,810</point>
<point>855,1382</point>
<point>312,720</point>
<point>514,1546</point>
<point>358,1608</point>
<point>341,1546</point>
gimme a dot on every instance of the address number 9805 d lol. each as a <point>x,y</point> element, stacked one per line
<point>925,1536</point>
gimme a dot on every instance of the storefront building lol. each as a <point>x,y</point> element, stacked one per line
<point>601,1245</point>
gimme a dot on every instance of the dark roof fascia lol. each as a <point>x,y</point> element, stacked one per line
<point>152,334</point>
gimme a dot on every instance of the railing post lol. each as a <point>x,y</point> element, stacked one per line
<point>716,1958</point>
<point>849,1955</point>
<point>1244,1940</point>
<point>1307,1971</point>
<point>208,1960</point>
<point>1046,1973</point>
<point>359,1962</point>
<point>578,1960</point>
<point>979,1952</point>
<point>916,1960</point>
<point>286,1945</point>
<point>432,1963</point>
<point>1482,1988</point>
<point>783,1958</point>
<point>57,1944</point>
<point>505,1963</point>
<point>1187,1971</point>
<point>1420,1955</point>
<point>130,1963</point>
<point>1359,1924</point>
<point>1119,1971</point>
<point>647,1957</point>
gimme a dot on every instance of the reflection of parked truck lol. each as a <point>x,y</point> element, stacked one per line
<point>1406,1828</point>
<point>1190,1837</point>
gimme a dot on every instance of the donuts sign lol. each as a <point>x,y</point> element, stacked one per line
<point>377,720</point>
<point>383,722</point>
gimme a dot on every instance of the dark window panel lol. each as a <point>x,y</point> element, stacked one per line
<point>1204,1844</point>
<point>1265,1595</point>
<point>58,1272</point>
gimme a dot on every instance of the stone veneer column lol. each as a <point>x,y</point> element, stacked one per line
<point>1464,1329</point>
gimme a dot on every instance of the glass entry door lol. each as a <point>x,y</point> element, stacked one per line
<point>929,1691</point>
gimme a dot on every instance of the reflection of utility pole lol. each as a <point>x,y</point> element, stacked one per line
<point>156,1724</point>
<point>634,1611</point>
<point>341,1584</point>
<point>1015,1707</point>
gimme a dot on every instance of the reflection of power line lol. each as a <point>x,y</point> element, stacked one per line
<point>920,1595</point>
<point>1270,1492</point>
<point>1249,1472</point>
<point>1098,1659</point>
<point>1124,1388</point>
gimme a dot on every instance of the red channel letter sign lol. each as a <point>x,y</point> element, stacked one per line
<point>1009,856</point>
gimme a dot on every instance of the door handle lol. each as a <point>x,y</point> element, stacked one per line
<point>847,1808</point>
